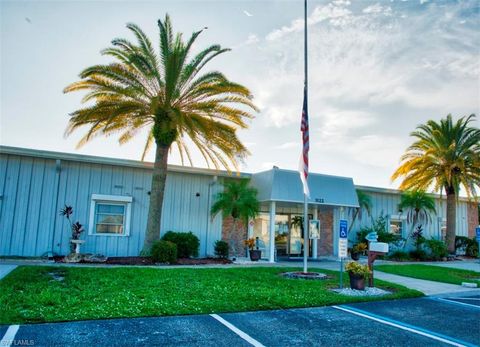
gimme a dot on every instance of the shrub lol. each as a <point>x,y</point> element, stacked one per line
<point>472,248</point>
<point>399,256</point>
<point>221,249</point>
<point>418,254</point>
<point>357,269</point>
<point>438,249</point>
<point>187,243</point>
<point>164,252</point>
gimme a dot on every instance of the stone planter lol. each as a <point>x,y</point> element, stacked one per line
<point>77,244</point>
<point>357,281</point>
<point>355,255</point>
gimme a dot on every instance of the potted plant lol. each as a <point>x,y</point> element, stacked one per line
<point>255,254</point>
<point>358,249</point>
<point>358,274</point>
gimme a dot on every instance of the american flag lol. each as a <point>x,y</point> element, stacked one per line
<point>303,165</point>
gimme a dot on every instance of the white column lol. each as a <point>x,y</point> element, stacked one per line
<point>271,257</point>
<point>315,242</point>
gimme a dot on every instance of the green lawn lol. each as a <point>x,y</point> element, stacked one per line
<point>432,273</point>
<point>31,294</point>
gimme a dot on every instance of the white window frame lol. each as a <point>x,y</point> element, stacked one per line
<point>397,218</point>
<point>114,200</point>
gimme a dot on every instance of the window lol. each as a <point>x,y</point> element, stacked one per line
<point>396,225</point>
<point>110,215</point>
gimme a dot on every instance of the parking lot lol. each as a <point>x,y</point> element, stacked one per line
<point>414,322</point>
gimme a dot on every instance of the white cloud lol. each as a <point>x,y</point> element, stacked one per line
<point>378,9</point>
<point>248,14</point>
<point>335,12</point>
<point>288,145</point>
<point>252,38</point>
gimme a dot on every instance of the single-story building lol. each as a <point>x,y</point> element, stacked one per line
<point>110,198</point>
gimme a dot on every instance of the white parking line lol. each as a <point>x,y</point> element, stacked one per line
<point>416,330</point>
<point>448,300</point>
<point>237,331</point>
<point>8,338</point>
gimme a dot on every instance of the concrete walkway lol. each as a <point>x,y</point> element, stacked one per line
<point>6,269</point>
<point>424,286</point>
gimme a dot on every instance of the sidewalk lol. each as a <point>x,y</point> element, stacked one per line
<point>6,269</point>
<point>424,286</point>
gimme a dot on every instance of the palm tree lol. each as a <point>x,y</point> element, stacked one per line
<point>419,206</point>
<point>445,155</point>
<point>166,95</point>
<point>364,204</point>
<point>239,201</point>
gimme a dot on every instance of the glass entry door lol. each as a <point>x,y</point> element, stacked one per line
<point>288,234</point>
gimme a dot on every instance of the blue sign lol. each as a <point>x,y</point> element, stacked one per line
<point>343,229</point>
<point>477,232</point>
<point>372,237</point>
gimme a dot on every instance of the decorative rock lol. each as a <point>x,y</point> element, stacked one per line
<point>369,291</point>
<point>305,275</point>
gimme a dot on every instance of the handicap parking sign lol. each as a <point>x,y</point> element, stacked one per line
<point>343,229</point>
<point>477,232</point>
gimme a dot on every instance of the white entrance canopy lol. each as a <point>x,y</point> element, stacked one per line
<point>285,186</point>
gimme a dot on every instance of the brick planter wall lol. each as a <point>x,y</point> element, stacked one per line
<point>237,238</point>
<point>472,216</point>
<point>325,243</point>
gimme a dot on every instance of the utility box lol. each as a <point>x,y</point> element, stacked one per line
<point>380,247</point>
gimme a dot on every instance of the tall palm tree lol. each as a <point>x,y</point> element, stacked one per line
<point>167,95</point>
<point>419,206</point>
<point>364,205</point>
<point>444,156</point>
<point>239,201</point>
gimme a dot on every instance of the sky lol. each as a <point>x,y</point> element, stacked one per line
<point>377,69</point>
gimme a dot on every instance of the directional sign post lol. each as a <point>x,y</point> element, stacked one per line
<point>342,246</point>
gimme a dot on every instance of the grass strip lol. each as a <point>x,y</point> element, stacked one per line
<point>432,273</point>
<point>32,294</point>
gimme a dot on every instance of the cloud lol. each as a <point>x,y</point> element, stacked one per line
<point>335,12</point>
<point>378,9</point>
<point>376,72</point>
<point>252,38</point>
<point>288,145</point>
<point>248,14</point>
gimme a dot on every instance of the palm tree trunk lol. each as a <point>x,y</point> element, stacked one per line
<point>232,241</point>
<point>156,197</point>
<point>451,220</point>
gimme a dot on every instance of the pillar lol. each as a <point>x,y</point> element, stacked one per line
<point>271,256</point>
<point>315,241</point>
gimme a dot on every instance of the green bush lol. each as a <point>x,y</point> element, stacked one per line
<point>187,243</point>
<point>164,252</point>
<point>438,249</point>
<point>470,245</point>
<point>472,248</point>
<point>418,254</point>
<point>221,249</point>
<point>399,256</point>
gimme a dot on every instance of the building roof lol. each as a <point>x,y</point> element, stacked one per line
<point>285,186</point>
<point>112,161</point>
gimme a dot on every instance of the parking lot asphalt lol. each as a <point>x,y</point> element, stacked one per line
<point>412,322</point>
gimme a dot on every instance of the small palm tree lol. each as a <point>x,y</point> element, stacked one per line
<point>364,205</point>
<point>419,206</point>
<point>445,156</point>
<point>239,201</point>
<point>168,96</point>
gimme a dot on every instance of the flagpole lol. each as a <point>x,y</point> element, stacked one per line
<point>305,201</point>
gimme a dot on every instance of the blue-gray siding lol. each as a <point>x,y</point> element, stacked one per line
<point>33,191</point>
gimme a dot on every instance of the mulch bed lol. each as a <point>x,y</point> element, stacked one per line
<point>148,261</point>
